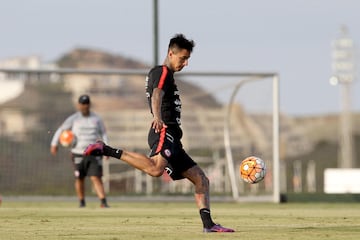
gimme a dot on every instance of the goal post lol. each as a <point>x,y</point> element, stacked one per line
<point>227,141</point>
<point>244,79</point>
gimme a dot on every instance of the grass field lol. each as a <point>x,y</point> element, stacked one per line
<point>171,221</point>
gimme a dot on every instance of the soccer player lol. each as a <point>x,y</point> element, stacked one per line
<point>164,138</point>
<point>87,127</point>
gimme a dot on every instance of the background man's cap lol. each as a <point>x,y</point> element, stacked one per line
<point>84,99</point>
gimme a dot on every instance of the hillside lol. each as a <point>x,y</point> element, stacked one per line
<point>81,58</point>
<point>128,91</point>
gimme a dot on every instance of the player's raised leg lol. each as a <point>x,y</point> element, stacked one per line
<point>153,166</point>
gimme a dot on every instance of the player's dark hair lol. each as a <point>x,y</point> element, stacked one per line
<point>181,42</point>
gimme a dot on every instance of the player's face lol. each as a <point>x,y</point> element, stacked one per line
<point>84,109</point>
<point>179,58</point>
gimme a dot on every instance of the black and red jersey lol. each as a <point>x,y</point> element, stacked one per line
<point>163,78</point>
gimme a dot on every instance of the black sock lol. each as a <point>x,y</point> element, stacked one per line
<point>112,152</point>
<point>206,218</point>
<point>103,201</point>
<point>82,202</point>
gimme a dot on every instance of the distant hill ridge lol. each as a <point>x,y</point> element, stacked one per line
<point>91,58</point>
<point>84,58</point>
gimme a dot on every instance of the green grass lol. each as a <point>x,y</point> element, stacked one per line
<point>124,220</point>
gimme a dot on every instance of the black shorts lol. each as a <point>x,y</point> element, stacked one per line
<point>87,165</point>
<point>168,144</point>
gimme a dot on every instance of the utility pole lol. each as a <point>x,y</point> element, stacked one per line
<point>343,65</point>
<point>156,32</point>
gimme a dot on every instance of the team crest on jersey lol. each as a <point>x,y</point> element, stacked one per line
<point>167,152</point>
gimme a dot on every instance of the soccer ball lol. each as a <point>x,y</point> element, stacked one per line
<point>67,138</point>
<point>252,169</point>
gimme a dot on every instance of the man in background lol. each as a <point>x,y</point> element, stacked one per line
<point>87,127</point>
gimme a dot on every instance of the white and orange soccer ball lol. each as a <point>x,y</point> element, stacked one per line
<point>252,169</point>
<point>67,138</point>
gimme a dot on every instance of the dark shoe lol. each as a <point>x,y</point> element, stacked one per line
<point>104,205</point>
<point>95,149</point>
<point>218,228</point>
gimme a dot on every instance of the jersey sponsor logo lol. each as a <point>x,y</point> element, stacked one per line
<point>147,87</point>
<point>169,137</point>
<point>167,152</point>
<point>177,105</point>
<point>177,102</point>
<point>168,170</point>
<point>146,81</point>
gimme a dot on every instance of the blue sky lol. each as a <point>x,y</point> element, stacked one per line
<point>292,38</point>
